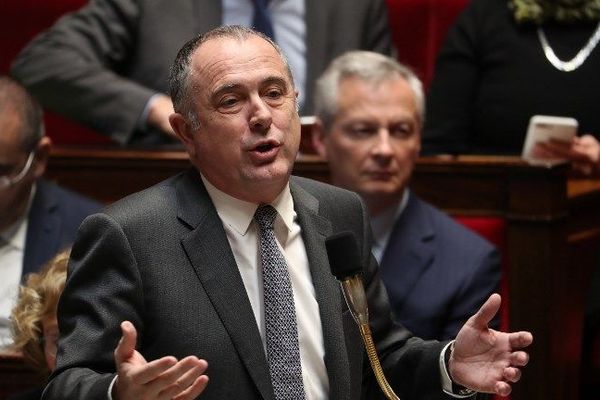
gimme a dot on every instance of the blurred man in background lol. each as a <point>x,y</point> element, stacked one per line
<point>370,113</point>
<point>37,218</point>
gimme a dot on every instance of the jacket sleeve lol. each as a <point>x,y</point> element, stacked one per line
<point>76,68</point>
<point>103,289</point>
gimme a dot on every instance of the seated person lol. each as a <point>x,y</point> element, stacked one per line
<point>37,218</point>
<point>437,273</point>
<point>503,62</point>
<point>33,320</point>
<point>107,64</point>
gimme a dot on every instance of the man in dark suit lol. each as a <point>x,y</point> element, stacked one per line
<point>437,273</point>
<point>37,218</point>
<point>173,273</point>
<point>103,64</point>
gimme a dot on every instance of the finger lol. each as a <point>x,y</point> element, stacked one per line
<point>519,340</point>
<point>184,381</point>
<point>519,359</point>
<point>175,376</point>
<point>512,374</point>
<point>194,390</point>
<point>126,345</point>
<point>487,311</point>
<point>502,388</point>
<point>152,370</point>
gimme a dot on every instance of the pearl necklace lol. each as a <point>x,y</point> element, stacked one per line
<point>575,62</point>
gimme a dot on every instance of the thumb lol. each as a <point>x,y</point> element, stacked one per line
<point>126,346</point>
<point>487,312</point>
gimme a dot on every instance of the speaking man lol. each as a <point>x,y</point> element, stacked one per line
<point>216,284</point>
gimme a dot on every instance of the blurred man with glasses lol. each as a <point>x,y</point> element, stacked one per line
<point>37,218</point>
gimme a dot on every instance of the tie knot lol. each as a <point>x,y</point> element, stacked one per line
<point>265,216</point>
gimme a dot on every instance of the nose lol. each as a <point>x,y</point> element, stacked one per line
<point>260,115</point>
<point>382,148</point>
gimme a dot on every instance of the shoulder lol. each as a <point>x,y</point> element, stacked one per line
<point>144,204</point>
<point>66,199</point>
<point>449,231</point>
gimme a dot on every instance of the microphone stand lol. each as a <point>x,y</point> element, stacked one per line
<point>356,299</point>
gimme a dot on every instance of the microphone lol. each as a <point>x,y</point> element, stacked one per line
<point>344,261</point>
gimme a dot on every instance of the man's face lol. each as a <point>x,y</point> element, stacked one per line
<point>374,140</point>
<point>14,198</point>
<point>249,127</point>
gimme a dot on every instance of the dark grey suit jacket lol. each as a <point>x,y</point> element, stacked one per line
<point>100,65</point>
<point>160,258</point>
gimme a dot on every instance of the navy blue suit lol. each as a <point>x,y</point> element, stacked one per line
<point>437,272</point>
<point>54,218</point>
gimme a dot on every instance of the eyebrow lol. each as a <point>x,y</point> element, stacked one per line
<point>233,87</point>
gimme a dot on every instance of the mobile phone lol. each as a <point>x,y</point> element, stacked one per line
<point>548,127</point>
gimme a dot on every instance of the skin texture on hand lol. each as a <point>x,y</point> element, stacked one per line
<point>583,152</point>
<point>158,115</point>
<point>161,379</point>
<point>487,360</point>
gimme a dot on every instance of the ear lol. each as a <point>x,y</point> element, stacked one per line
<point>184,132</point>
<point>318,136</point>
<point>42,154</point>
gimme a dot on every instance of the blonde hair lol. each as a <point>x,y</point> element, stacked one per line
<point>38,299</point>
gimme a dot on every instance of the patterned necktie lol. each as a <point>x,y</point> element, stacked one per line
<point>262,18</point>
<point>283,351</point>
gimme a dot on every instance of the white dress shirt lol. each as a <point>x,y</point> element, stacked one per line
<point>12,251</point>
<point>383,224</point>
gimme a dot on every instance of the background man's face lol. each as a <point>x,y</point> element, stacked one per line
<point>374,140</point>
<point>13,199</point>
<point>249,127</point>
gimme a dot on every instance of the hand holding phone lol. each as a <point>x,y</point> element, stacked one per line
<point>545,128</point>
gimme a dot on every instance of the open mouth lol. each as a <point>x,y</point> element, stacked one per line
<point>265,147</point>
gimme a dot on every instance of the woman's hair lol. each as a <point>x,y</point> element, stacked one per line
<point>37,300</point>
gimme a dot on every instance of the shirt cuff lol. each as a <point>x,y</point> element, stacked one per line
<point>142,122</point>
<point>449,387</point>
<point>112,383</point>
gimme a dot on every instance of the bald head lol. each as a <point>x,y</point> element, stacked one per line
<point>179,78</point>
<point>16,102</point>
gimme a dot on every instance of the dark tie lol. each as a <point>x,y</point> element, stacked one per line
<point>262,18</point>
<point>283,351</point>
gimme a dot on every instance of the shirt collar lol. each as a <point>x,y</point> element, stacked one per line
<point>14,235</point>
<point>382,224</point>
<point>238,214</point>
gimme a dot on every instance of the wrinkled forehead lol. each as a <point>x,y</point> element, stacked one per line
<point>226,58</point>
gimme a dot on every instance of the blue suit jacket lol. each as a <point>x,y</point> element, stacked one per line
<point>54,217</point>
<point>437,272</point>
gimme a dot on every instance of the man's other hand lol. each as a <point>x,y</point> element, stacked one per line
<point>161,379</point>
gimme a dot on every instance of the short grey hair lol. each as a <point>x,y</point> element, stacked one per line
<point>368,66</point>
<point>15,99</point>
<point>179,85</point>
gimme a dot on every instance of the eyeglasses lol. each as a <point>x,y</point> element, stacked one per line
<point>11,179</point>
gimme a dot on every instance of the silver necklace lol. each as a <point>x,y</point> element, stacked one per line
<point>575,62</point>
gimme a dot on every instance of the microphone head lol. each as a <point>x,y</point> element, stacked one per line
<point>343,254</point>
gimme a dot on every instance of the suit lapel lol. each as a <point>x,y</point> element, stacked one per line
<point>315,229</point>
<point>410,250</point>
<point>43,229</point>
<point>207,248</point>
